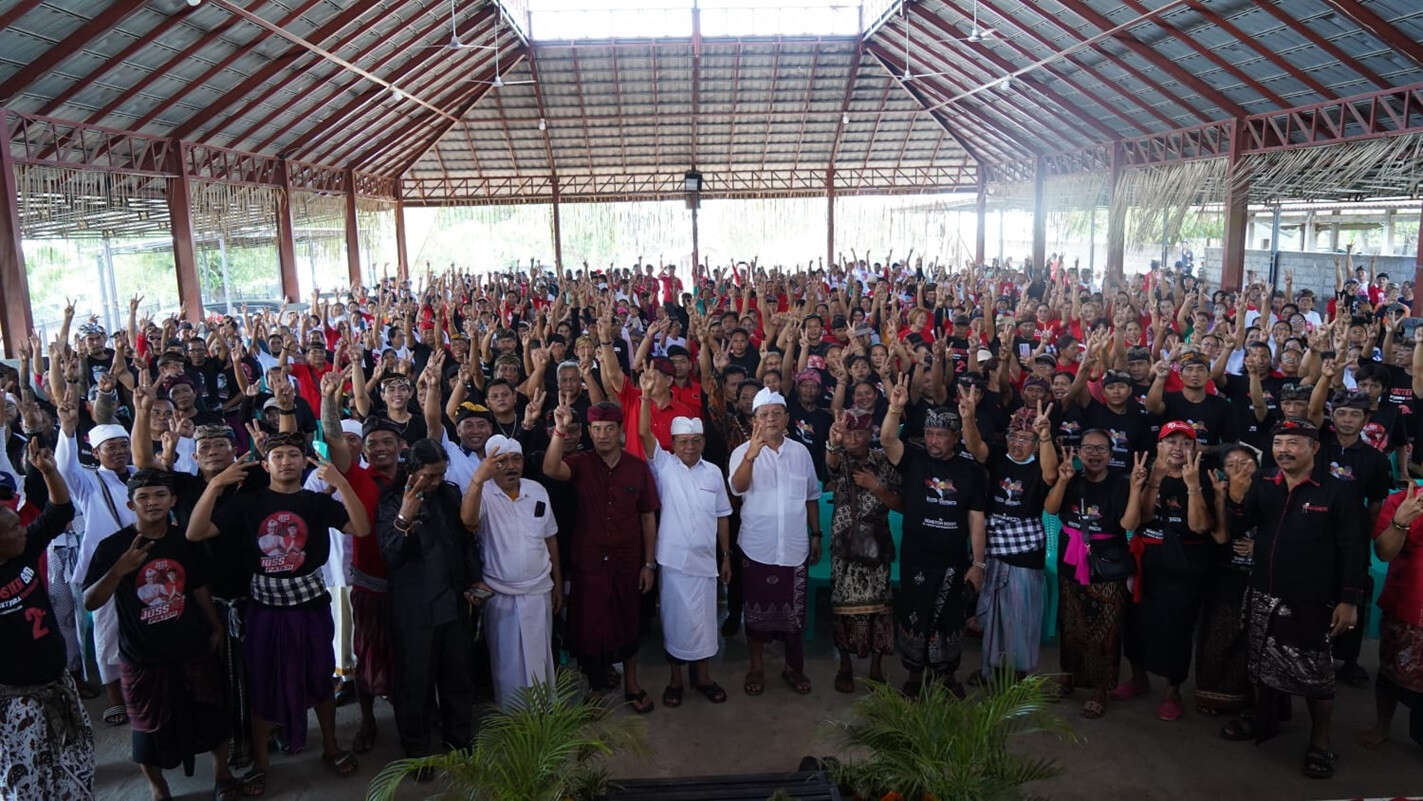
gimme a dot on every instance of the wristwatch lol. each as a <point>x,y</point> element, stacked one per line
<point>650,566</point>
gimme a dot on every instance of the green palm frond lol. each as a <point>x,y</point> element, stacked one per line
<point>537,750</point>
<point>944,747</point>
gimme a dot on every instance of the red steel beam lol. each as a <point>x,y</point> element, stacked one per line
<point>853,77</point>
<point>618,96</point>
<point>334,124</point>
<point>374,126</point>
<point>1211,56</point>
<point>1378,27</point>
<point>956,37</point>
<point>393,155</point>
<point>18,11</point>
<point>1254,44</point>
<point>268,69</point>
<point>1313,37</point>
<point>16,321</point>
<point>582,107</point>
<point>301,67</point>
<point>696,84</point>
<point>117,59</point>
<point>68,46</point>
<point>1078,37</point>
<point>989,140</point>
<point>879,119</point>
<point>1065,78</point>
<point>1146,53</point>
<point>805,107</point>
<point>771,102</point>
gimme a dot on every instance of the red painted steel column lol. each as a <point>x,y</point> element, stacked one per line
<point>286,239</point>
<point>980,232</point>
<point>1039,219</point>
<point>1116,225</point>
<point>180,219</point>
<point>402,258</point>
<point>829,217</point>
<point>558,233</point>
<point>1237,216</point>
<point>353,237</point>
<point>1418,268</point>
<point>16,321</point>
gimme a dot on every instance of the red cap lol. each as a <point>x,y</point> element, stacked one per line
<point>1176,427</point>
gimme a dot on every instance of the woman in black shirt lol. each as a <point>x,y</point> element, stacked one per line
<point>1097,508</point>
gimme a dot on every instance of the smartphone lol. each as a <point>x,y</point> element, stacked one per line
<point>1220,474</point>
<point>321,449</point>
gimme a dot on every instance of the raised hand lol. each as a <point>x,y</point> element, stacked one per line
<point>899,395</point>
<point>1042,423</point>
<point>40,457</point>
<point>1065,468</point>
<point>1139,471</point>
<point>563,417</point>
<point>535,407</point>
<point>1191,472</point>
<point>837,430</point>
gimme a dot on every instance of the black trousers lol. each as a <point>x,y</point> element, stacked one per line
<point>434,676</point>
<point>734,600</point>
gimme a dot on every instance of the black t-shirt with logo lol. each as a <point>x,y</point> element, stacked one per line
<point>1095,508</point>
<point>228,571</point>
<point>159,617</point>
<point>284,534</point>
<point>1018,491</point>
<point>811,428</point>
<point>1129,431</point>
<point>1210,417</point>
<point>29,633</point>
<point>1171,545</point>
<point>1360,464</point>
<point>938,496</point>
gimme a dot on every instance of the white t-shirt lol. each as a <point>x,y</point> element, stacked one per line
<point>512,534</point>
<point>773,515</point>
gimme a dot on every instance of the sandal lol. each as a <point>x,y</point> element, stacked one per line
<point>844,682</point>
<point>115,715</point>
<point>712,691</point>
<point>342,763</point>
<point>1238,730</point>
<point>755,683</point>
<point>639,702</point>
<point>253,783</point>
<point>1093,709</point>
<point>797,681</point>
<point>1319,763</point>
<point>228,790</point>
<point>672,696</point>
<point>1125,691</point>
<point>364,740</point>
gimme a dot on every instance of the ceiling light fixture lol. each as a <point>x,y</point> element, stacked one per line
<point>543,126</point>
<point>845,118</point>
<point>1005,84</point>
<point>195,3</point>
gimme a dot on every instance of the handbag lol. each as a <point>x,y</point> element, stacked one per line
<point>1110,560</point>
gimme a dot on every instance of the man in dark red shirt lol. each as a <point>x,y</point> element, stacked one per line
<point>614,547</point>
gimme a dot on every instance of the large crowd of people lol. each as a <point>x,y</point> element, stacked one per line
<point>222,525</point>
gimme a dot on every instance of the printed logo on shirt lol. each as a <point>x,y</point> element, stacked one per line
<point>1120,440</point>
<point>160,587</point>
<point>1314,507</point>
<point>1010,486</point>
<point>804,431</point>
<point>13,595</point>
<point>281,538</point>
<point>1343,472</point>
<point>1069,427</point>
<point>940,486</point>
<point>1376,435</point>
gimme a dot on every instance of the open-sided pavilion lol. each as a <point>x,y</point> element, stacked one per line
<point>117,116</point>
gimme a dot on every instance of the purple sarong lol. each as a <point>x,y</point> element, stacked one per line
<point>775,597</point>
<point>289,664</point>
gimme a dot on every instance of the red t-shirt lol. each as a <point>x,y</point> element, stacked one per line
<point>1402,595</point>
<point>365,554</point>
<point>631,400</point>
<point>308,382</point>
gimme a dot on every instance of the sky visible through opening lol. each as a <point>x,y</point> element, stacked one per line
<point>562,20</point>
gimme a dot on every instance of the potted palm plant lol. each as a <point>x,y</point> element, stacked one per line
<point>547,747</point>
<point>939,747</point>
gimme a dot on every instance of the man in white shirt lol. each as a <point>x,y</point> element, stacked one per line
<point>694,527</point>
<point>775,479</point>
<point>101,496</point>
<point>517,536</point>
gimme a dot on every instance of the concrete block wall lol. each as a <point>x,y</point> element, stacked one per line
<point>1312,270</point>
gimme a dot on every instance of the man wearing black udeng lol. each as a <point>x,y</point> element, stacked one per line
<point>1305,588</point>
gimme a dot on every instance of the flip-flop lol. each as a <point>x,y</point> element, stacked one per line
<point>1093,709</point>
<point>672,696</point>
<point>797,681</point>
<point>115,715</point>
<point>1238,730</point>
<point>342,763</point>
<point>253,783</point>
<point>639,702</point>
<point>1125,691</point>
<point>755,682</point>
<point>712,691</point>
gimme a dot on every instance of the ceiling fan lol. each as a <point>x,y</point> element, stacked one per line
<point>454,43</point>
<point>977,34</point>
<point>499,82</point>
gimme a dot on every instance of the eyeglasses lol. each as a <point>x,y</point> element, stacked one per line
<point>1093,449</point>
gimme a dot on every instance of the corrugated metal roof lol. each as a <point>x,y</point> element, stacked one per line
<point>630,116</point>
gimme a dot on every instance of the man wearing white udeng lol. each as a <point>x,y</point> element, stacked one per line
<point>695,521</point>
<point>516,529</point>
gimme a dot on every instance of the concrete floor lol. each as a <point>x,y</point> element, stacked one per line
<point>1127,754</point>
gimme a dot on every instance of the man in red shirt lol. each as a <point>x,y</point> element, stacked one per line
<point>308,374</point>
<point>671,285</point>
<point>656,383</point>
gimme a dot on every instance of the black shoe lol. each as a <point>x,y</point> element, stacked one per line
<point>346,693</point>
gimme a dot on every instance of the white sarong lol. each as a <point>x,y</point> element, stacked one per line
<point>518,629</point>
<point>689,629</point>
